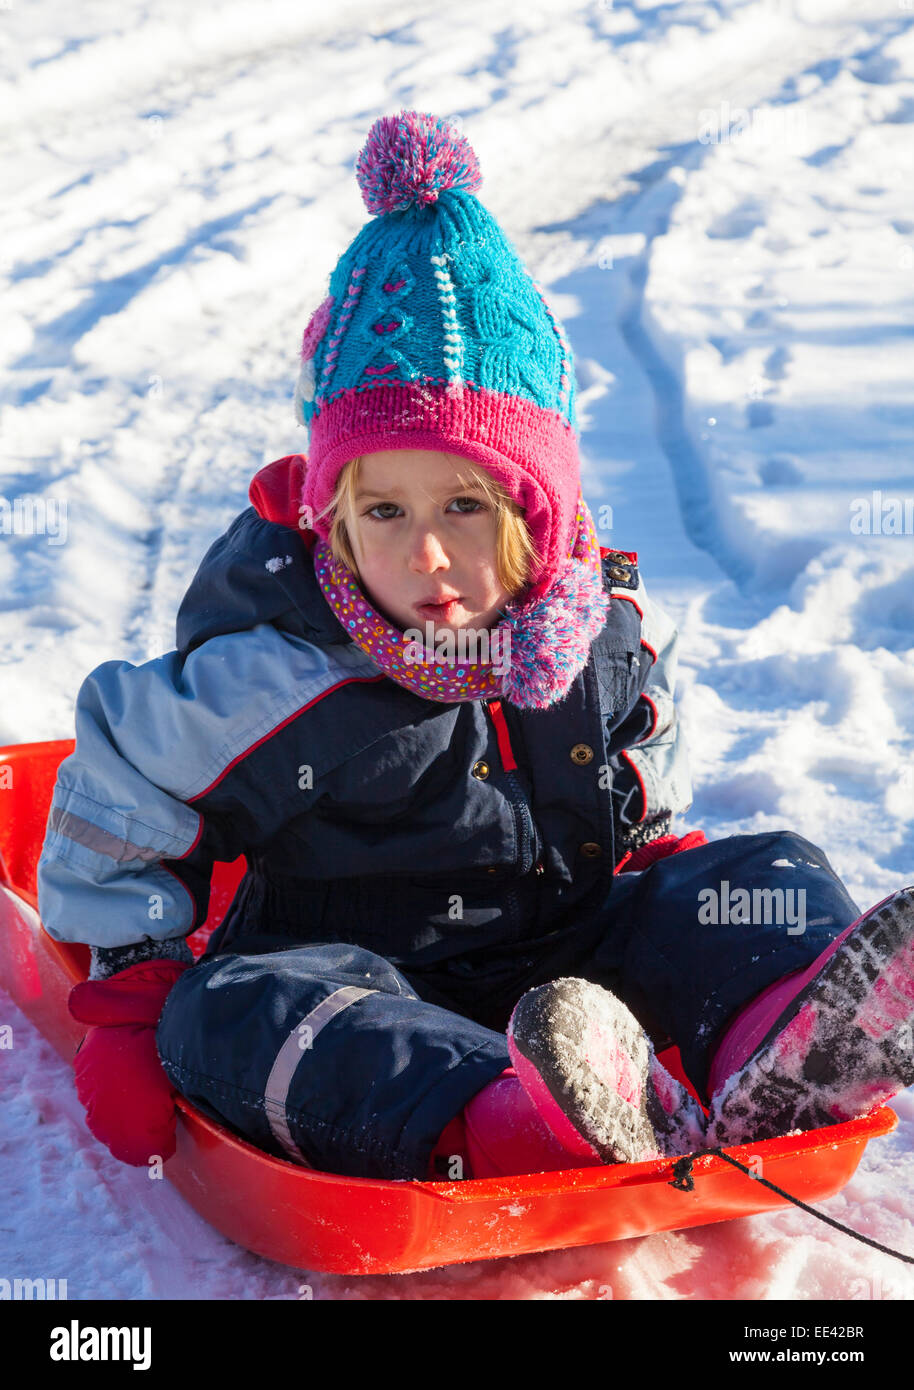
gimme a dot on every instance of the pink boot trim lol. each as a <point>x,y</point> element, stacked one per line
<point>574,1146</point>
<point>500,1132</point>
<point>750,1026</point>
<point>761,1013</point>
<point>506,1134</point>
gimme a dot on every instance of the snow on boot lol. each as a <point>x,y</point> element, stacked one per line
<point>842,1045</point>
<point>585,1061</point>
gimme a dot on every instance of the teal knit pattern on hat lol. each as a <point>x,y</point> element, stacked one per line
<point>438,294</point>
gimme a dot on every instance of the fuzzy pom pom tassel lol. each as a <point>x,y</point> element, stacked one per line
<point>410,158</point>
<point>551,637</point>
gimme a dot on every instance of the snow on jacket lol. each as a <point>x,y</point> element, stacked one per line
<point>366,813</point>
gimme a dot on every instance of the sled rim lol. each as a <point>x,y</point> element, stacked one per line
<point>875,1125</point>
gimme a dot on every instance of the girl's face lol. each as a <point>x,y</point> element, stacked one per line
<point>424,544</point>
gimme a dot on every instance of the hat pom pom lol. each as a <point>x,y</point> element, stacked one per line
<point>551,637</point>
<point>412,157</point>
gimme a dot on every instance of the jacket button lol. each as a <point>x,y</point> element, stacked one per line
<point>481,769</point>
<point>619,572</point>
<point>591,850</point>
<point>581,753</point>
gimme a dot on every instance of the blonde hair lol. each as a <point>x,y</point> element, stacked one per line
<point>516,553</point>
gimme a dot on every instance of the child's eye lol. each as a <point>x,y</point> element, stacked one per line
<point>473,501</point>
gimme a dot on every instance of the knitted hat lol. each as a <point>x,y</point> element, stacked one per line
<point>434,335</point>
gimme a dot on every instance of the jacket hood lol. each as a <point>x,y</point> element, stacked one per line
<point>260,571</point>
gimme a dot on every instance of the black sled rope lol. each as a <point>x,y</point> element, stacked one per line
<point>684,1181</point>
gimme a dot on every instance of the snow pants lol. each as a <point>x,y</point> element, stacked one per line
<point>330,1054</point>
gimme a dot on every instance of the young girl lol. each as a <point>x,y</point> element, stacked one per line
<point>438,722</point>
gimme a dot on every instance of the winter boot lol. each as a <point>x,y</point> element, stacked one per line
<point>842,1044</point>
<point>585,1061</point>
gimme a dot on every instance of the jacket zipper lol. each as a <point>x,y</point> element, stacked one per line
<point>531,840</point>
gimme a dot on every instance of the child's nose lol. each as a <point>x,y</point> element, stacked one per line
<point>428,552</point>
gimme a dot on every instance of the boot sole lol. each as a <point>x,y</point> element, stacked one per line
<point>553,1028</point>
<point>841,1047</point>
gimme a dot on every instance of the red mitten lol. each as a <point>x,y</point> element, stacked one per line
<point>129,1101</point>
<point>659,849</point>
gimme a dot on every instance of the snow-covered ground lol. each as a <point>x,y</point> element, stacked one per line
<point>717,199</point>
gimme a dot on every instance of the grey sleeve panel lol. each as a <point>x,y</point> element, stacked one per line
<point>148,739</point>
<point>185,723</point>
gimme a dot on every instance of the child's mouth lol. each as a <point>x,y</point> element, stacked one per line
<point>446,612</point>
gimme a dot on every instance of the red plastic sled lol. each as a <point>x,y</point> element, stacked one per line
<point>319,1221</point>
